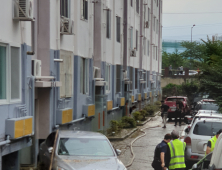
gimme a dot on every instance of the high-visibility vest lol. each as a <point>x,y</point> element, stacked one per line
<point>177,149</point>
<point>213,141</point>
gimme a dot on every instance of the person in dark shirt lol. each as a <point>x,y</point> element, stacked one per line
<point>162,154</point>
<point>178,111</point>
<point>164,112</point>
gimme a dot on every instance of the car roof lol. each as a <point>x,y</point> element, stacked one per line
<point>208,120</point>
<point>177,97</point>
<point>204,102</point>
<point>81,134</point>
<point>209,113</point>
<point>207,100</point>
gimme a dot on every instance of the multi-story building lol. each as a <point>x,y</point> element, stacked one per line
<point>68,64</point>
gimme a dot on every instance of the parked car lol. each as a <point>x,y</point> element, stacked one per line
<point>202,113</point>
<point>198,135</point>
<point>202,105</point>
<point>212,161</point>
<point>171,102</point>
<point>79,150</point>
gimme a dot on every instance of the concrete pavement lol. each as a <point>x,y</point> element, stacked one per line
<point>145,146</point>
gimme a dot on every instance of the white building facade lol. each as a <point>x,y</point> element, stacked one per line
<point>68,64</point>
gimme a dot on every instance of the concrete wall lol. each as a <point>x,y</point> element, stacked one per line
<point>178,81</point>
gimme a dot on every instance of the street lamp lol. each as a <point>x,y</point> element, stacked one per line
<point>191,31</point>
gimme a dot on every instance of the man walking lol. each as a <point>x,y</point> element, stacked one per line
<point>212,142</point>
<point>162,154</point>
<point>178,111</point>
<point>164,112</point>
<point>177,152</point>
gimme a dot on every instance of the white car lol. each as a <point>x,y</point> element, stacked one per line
<point>212,161</point>
<point>198,135</point>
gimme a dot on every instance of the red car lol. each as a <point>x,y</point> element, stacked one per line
<point>171,102</point>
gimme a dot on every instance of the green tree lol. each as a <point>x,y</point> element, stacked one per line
<point>175,59</point>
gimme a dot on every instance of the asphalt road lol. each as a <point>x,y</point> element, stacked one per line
<point>145,146</point>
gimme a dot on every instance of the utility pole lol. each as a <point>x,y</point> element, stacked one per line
<point>191,31</point>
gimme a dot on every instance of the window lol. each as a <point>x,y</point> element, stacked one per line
<point>107,77</point>
<point>118,78</point>
<point>131,3</point>
<point>3,72</point>
<point>84,76</point>
<point>66,74</point>
<point>136,40</point>
<point>157,26</point>
<point>84,9</point>
<point>118,29</point>
<point>148,77</point>
<point>10,73</point>
<point>131,78</point>
<point>207,128</point>
<point>156,52</point>
<point>136,75</point>
<point>137,6</point>
<point>131,38</point>
<point>108,24</point>
<point>154,23</point>
<point>148,14</point>
<point>64,8</point>
<point>157,3</point>
<point>148,47</point>
<point>15,73</point>
<point>144,46</point>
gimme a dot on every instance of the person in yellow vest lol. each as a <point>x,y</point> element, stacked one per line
<point>177,152</point>
<point>212,142</point>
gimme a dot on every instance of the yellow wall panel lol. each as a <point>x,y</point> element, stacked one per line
<point>91,110</point>
<point>132,98</point>
<point>139,97</point>
<point>122,101</point>
<point>150,94</point>
<point>66,116</point>
<point>19,128</point>
<point>109,105</point>
<point>28,126</point>
<point>145,95</point>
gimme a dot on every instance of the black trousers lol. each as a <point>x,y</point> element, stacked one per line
<point>178,115</point>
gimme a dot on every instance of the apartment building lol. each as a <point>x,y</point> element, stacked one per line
<point>73,64</point>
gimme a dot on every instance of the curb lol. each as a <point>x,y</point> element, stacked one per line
<point>143,123</point>
<point>124,137</point>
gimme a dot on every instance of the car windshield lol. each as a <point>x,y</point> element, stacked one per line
<point>174,99</point>
<point>209,107</point>
<point>84,147</point>
<point>207,128</point>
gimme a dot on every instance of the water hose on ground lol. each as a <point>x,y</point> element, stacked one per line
<point>131,145</point>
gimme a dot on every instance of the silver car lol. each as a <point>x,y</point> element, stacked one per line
<point>198,136</point>
<point>79,150</point>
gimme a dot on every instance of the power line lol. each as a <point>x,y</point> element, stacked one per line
<point>197,25</point>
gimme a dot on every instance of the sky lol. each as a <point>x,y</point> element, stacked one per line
<point>180,15</point>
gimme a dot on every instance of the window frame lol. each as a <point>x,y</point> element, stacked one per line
<point>148,48</point>
<point>107,79</point>
<point>137,40</point>
<point>66,53</point>
<point>84,12</point>
<point>108,24</point>
<point>85,66</point>
<point>118,28</point>
<point>9,99</point>
<point>136,77</point>
<point>131,38</point>
<point>144,46</point>
<point>137,6</point>
<point>118,78</point>
<point>131,3</point>
<point>68,8</point>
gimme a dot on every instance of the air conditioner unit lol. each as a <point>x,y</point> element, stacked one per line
<point>146,25</point>
<point>23,10</point>
<point>66,26</point>
<point>36,67</point>
<point>133,53</point>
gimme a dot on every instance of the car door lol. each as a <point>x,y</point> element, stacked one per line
<point>45,155</point>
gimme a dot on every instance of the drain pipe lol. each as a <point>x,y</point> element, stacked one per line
<point>5,142</point>
<point>33,38</point>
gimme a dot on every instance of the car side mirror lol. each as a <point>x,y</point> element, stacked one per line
<point>50,149</point>
<point>187,130</point>
<point>118,152</point>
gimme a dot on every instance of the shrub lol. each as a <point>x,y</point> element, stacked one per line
<point>115,126</point>
<point>143,114</point>
<point>128,122</point>
<point>158,103</point>
<point>137,116</point>
<point>150,110</point>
